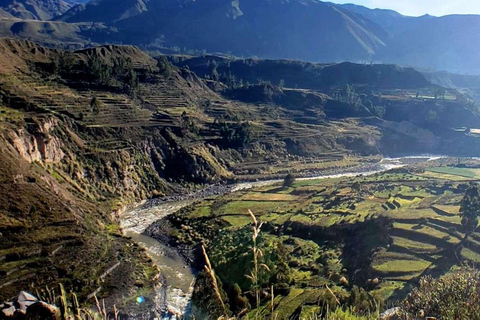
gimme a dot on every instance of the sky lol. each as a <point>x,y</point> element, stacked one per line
<point>421,7</point>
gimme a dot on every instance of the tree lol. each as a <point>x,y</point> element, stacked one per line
<point>165,66</point>
<point>289,180</point>
<point>238,301</point>
<point>235,135</point>
<point>188,124</point>
<point>63,63</point>
<point>130,84</point>
<point>356,187</point>
<point>95,105</point>
<point>470,209</point>
<point>212,66</point>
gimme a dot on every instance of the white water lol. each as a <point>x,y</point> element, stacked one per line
<point>179,276</point>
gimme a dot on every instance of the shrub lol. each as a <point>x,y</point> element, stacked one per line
<point>361,302</point>
<point>289,180</point>
<point>95,105</point>
<point>453,296</point>
<point>348,314</point>
<point>469,208</point>
<point>235,135</point>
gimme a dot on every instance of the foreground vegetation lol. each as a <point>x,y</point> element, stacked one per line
<point>360,243</point>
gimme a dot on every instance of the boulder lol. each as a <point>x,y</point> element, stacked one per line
<point>7,311</point>
<point>42,311</point>
<point>25,300</point>
<point>391,314</point>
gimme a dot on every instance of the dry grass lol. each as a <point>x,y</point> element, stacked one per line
<point>211,273</point>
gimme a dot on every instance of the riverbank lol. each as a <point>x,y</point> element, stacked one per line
<point>179,277</point>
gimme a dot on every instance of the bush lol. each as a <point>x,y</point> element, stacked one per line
<point>453,296</point>
<point>289,180</point>
<point>348,314</point>
<point>235,135</point>
<point>361,301</point>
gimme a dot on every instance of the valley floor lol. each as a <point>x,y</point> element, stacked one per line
<point>382,232</point>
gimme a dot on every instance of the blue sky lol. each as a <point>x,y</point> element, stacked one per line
<point>421,7</point>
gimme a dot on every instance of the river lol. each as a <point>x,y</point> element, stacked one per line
<point>175,288</point>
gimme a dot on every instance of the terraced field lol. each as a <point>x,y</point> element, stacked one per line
<point>392,228</point>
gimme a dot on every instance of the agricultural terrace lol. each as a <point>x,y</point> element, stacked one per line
<point>392,228</point>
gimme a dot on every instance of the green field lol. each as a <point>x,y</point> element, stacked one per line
<point>394,228</point>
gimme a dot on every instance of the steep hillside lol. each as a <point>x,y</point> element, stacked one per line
<point>305,30</point>
<point>53,228</point>
<point>392,21</point>
<point>445,43</point>
<point>105,11</point>
<point>87,132</point>
<point>301,30</point>
<point>414,115</point>
<point>4,14</point>
<point>298,74</point>
<point>35,9</point>
<point>324,32</point>
<point>55,33</point>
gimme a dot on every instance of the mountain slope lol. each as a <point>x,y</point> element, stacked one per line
<point>108,11</point>
<point>35,9</point>
<point>4,14</point>
<point>246,27</point>
<point>446,43</point>
<point>85,133</point>
<point>298,29</point>
<point>389,20</point>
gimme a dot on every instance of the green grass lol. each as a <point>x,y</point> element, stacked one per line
<point>427,230</point>
<point>386,288</point>
<point>201,211</point>
<point>401,190</point>
<point>323,210</point>
<point>402,266</point>
<point>470,255</point>
<point>392,177</point>
<point>410,213</point>
<point>341,314</point>
<point>413,245</point>
<point>462,172</point>
<point>315,182</point>
<point>257,196</point>
<point>295,298</point>
<point>237,221</point>
<point>10,115</point>
<point>257,207</point>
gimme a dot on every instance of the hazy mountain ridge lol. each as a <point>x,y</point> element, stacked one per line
<point>36,9</point>
<point>300,30</point>
<point>240,27</point>
<point>304,30</point>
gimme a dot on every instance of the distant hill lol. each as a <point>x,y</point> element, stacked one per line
<point>307,30</point>
<point>4,14</point>
<point>36,9</point>
<point>389,20</point>
<point>306,75</point>
<point>447,43</point>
